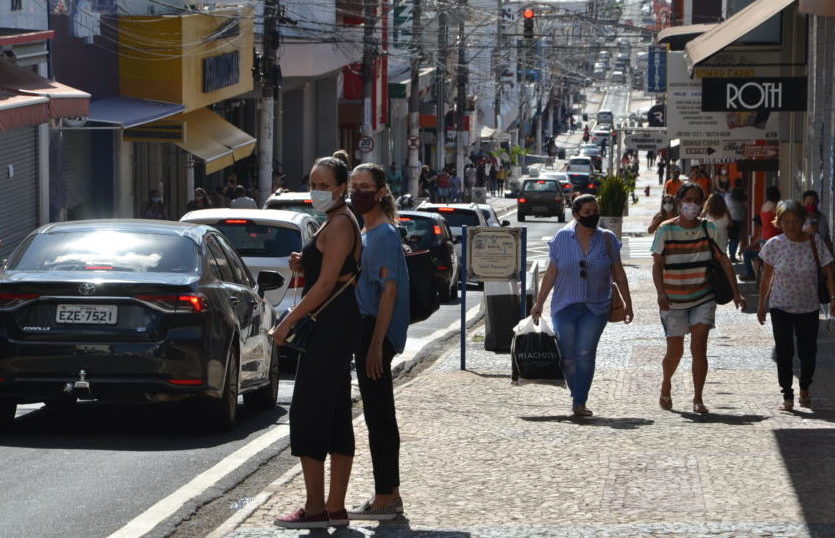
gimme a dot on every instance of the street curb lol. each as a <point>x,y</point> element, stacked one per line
<point>401,365</point>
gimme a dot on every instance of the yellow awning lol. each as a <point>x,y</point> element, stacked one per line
<point>214,140</point>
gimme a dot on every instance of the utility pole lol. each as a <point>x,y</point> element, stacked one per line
<point>440,90</point>
<point>369,18</point>
<point>461,137</point>
<point>268,74</point>
<point>414,99</point>
<point>497,103</point>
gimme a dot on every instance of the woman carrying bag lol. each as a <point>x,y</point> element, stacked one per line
<point>790,289</point>
<point>583,261</point>
<point>320,413</point>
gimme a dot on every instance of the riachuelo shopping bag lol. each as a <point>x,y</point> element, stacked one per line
<point>534,352</point>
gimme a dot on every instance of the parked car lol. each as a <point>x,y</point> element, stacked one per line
<point>583,183</point>
<point>593,152</point>
<point>580,163</point>
<point>601,136</point>
<point>264,239</point>
<point>456,216</point>
<point>294,201</point>
<point>605,116</point>
<point>491,217</point>
<point>135,310</point>
<point>429,231</point>
<point>562,177</point>
<point>541,198</point>
<point>618,77</point>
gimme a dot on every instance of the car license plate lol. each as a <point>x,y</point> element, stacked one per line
<point>86,313</point>
<point>540,208</point>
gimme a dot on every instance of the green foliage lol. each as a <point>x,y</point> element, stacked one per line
<point>612,196</point>
<point>516,154</point>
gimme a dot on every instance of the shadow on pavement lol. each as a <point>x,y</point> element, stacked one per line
<point>624,423</point>
<point>398,528</point>
<point>810,462</point>
<point>718,418</point>
<point>108,426</point>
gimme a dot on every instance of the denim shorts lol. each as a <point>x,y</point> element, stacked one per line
<point>678,322</point>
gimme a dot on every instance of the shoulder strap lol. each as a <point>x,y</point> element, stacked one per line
<point>711,243</point>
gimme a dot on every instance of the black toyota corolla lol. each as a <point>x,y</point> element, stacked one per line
<point>135,310</point>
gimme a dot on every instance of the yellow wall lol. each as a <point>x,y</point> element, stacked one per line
<point>162,57</point>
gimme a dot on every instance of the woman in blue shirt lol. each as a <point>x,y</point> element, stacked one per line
<point>383,297</point>
<point>583,261</point>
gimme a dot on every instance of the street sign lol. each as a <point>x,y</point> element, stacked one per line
<point>366,144</point>
<point>413,142</point>
<point>759,94</point>
<point>493,254</point>
<point>646,141</point>
<point>657,69</point>
<point>714,150</point>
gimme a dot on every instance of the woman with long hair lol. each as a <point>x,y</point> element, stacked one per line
<point>383,296</point>
<point>320,412</point>
<point>789,290</point>
<point>716,211</point>
<point>668,211</point>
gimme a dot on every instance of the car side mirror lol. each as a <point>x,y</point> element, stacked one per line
<point>456,239</point>
<point>505,223</point>
<point>269,280</point>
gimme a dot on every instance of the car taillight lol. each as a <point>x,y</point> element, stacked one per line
<point>296,282</point>
<point>523,200</point>
<point>557,198</point>
<point>591,185</point>
<point>308,202</point>
<point>405,219</point>
<point>98,268</point>
<point>442,268</point>
<point>437,230</point>
<point>446,209</point>
<point>185,381</point>
<point>235,221</point>
<point>11,300</point>
<point>176,303</point>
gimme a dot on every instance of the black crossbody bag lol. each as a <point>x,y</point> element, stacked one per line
<point>723,292</point>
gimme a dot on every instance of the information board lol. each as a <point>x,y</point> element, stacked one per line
<point>493,254</point>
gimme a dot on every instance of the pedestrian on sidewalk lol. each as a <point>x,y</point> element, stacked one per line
<point>790,287</point>
<point>584,259</point>
<point>673,185</point>
<point>661,166</point>
<point>768,212</point>
<point>738,212</point>
<point>242,200</point>
<point>681,253</point>
<point>816,221</point>
<point>716,211</point>
<point>650,159</point>
<point>320,412</point>
<point>750,255</point>
<point>383,297</point>
<point>668,211</point>
<point>501,177</point>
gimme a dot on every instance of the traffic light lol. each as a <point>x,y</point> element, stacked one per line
<point>528,15</point>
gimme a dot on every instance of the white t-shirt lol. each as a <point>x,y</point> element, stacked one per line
<point>795,288</point>
<point>721,231</point>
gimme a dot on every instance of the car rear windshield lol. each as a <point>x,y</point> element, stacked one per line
<point>107,250</point>
<point>579,178</point>
<point>298,207</point>
<point>420,232</point>
<point>540,186</point>
<point>458,217</point>
<point>261,240</point>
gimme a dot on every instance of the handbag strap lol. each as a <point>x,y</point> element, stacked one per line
<point>711,243</point>
<point>347,283</point>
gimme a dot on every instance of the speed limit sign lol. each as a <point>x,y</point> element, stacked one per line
<point>413,142</point>
<point>366,144</point>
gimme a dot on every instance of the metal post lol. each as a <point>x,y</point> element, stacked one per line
<point>463,265</point>
<point>461,135</point>
<point>523,306</point>
<point>414,98</point>
<point>369,15</point>
<point>440,91</point>
<point>268,77</point>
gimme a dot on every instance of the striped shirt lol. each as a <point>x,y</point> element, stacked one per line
<point>686,254</point>
<point>582,277</point>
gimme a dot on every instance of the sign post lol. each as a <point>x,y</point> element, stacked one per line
<point>523,276</point>
<point>464,272</point>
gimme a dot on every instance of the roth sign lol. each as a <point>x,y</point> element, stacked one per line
<point>771,94</point>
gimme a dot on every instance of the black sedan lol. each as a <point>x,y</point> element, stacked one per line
<point>429,231</point>
<point>135,310</point>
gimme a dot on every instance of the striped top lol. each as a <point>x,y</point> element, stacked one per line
<point>582,277</point>
<point>686,254</point>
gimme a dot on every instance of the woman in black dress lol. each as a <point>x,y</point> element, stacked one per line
<point>320,413</point>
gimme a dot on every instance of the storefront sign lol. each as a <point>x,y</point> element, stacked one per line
<point>715,151</point>
<point>646,141</point>
<point>657,116</point>
<point>758,95</point>
<point>657,69</point>
<point>221,71</point>
<point>493,254</point>
<point>685,118</point>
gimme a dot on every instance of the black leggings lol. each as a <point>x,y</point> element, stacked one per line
<point>320,413</point>
<point>380,417</point>
<point>786,327</point>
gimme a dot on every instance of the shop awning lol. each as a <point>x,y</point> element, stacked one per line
<point>744,21</point>
<point>22,110</point>
<point>215,140</point>
<point>131,111</point>
<point>679,32</point>
<point>63,101</point>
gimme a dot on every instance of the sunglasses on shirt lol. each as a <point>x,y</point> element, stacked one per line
<point>583,269</point>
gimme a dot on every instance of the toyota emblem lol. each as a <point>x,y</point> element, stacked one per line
<point>88,288</point>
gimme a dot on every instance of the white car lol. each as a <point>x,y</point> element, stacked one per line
<point>580,163</point>
<point>294,201</point>
<point>264,239</point>
<point>605,116</point>
<point>491,217</point>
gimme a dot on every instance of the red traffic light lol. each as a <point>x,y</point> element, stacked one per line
<point>528,13</point>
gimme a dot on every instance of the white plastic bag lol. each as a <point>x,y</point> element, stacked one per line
<point>535,353</point>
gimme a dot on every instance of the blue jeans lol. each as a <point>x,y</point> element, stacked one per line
<point>578,331</point>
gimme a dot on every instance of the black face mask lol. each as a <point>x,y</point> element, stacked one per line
<point>589,221</point>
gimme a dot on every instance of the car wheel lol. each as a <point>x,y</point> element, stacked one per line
<point>222,412</point>
<point>7,412</point>
<point>520,217</point>
<point>264,399</point>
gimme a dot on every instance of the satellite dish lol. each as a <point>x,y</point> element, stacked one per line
<point>74,121</point>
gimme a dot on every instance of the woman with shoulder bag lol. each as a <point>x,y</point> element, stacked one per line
<point>383,296</point>
<point>583,261</point>
<point>790,288</point>
<point>320,413</point>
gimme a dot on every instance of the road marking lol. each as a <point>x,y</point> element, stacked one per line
<point>156,514</point>
<point>638,247</point>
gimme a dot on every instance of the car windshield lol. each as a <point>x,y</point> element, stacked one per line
<point>107,250</point>
<point>421,232</point>
<point>298,206</point>
<point>261,240</point>
<point>540,186</point>
<point>458,217</point>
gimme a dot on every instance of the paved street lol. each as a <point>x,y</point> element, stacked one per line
<point>483,458</point>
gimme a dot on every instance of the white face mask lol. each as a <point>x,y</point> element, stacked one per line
<point>667,207</point>
<point>690,211</point>
<point>322,200</point>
